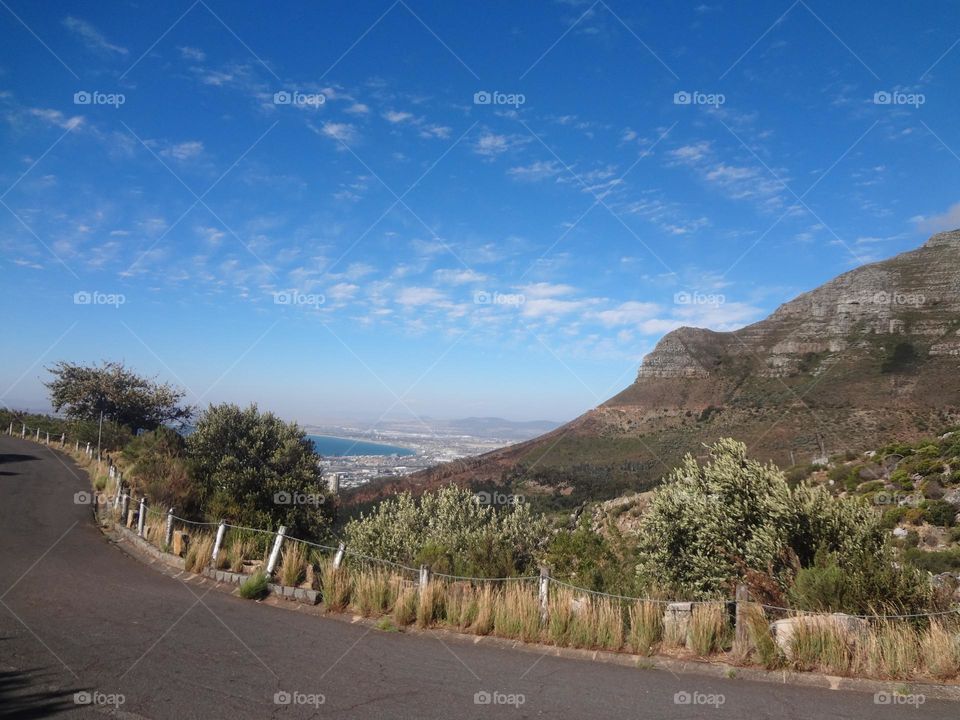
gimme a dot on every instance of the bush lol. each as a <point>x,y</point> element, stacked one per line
<point>939,512</point>
<point>709,629</point>
<point>597,561</point>
<point>159,464</point>
<point>254,587</point>
<point>258,471</point>
<point>709,525</point>
<point>451,532</point>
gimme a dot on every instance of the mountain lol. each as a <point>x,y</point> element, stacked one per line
<point>871,355</point>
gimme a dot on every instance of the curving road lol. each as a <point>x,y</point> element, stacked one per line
<point>77,615</point>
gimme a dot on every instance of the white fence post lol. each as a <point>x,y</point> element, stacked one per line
<point>424,577</point>
<point>10,431</point>
<point>38,435</point>
<point>217,543</point>
<point>63,439</point>
<point>168,536</point>
<point>23,431</point>
<point>124,508</point>
<point>142,515</point>
<point>544,592</point>
<point>48,437</point>
<point>338,558</point>
<point>77,447</point>
<point>87,451</point>
<point>275,553</point>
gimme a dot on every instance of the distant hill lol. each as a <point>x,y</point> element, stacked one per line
<point>869,357</point>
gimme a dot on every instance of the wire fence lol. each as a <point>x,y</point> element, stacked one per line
<point>346,551</point>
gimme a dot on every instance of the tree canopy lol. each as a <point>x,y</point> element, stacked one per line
<point>258,471</point>
<point>123,396</point>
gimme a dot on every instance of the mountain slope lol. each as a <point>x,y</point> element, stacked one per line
<point>871,355</point>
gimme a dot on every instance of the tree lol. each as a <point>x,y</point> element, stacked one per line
<point>256,470</point>
<point>124,397</point>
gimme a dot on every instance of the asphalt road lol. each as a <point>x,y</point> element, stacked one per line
<point>78,615</point>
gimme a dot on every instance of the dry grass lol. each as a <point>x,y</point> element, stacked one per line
<point>819,643</point>
<point>430,603</point>
<point>198,554</point>
<point>709,629</point>
<point>486,606</point>
<point>891,649</point>
<point>374,592</point>
<point>940,649</point>
<point>595,623</point>
<point>763,646</point>
<point>405,606</point>
<point>293,564</point>
<point>337,587</point>
<point>517,613</point>
<point>239,551</point>
<point>560,616</point>
<point>646,626</point>
<point>460,609</point>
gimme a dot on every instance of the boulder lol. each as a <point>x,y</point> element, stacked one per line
<point>676,622</point>
<point>952,496</point>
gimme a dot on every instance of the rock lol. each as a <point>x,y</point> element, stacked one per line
<point>849,623</point>
<point>890,463</point>
<point>952,496</point>
<point>181,542</point>
<point>784,630</point>
<point>676,621</point>
<point>578,605</point>
<point>932,490</point>
<point>900,532</point>
<point>868,472</point>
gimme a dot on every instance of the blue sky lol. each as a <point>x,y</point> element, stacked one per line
<point>351,210</point>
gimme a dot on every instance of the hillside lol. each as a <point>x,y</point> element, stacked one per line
<point>869,357</point>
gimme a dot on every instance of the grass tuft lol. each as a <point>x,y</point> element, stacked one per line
<point>646,626</point>
<point>709,630</point>
<point>293,564</point>
<point>255,586</point>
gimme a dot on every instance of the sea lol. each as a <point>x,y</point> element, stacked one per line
<point>329,446</point>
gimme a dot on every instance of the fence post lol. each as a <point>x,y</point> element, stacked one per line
<point>63,439</point>
<point>77,446</point>
<point>38,435</point>
<point>168,536</point>
<point>424,577</point>
<point>741,637</point>
<point>87,451</point>
<point>217,543</point>
<point>338,558</point>
<point>275,553</point>
<point>124,508</point>
<point>544,592</point>
<point>141,516</point>
<point>23,431</point>
<point>10,431</point>
<point>48,437</point>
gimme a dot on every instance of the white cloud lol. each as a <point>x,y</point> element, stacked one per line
<point>546,290</point>
<point>55,117</point>
<point>629,313</point>
<point>491,145</point>
<point>949,220</point>
<point>416,296</point>
<point>192,53</point>
<point>539,170</point>
<point>183,151</point>
<point>395,116</point>
<point>341,292</point>
<point>358,109</point>
<point>435,131</point>
<point>342,132</point>
<point>91,37</point>
<point>458,277</point>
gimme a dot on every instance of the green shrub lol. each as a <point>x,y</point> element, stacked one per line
<point>939,512</point>
<point>255,586</point>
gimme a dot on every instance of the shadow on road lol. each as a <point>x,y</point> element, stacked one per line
<point>32,694</point>
<point>15,457</point>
